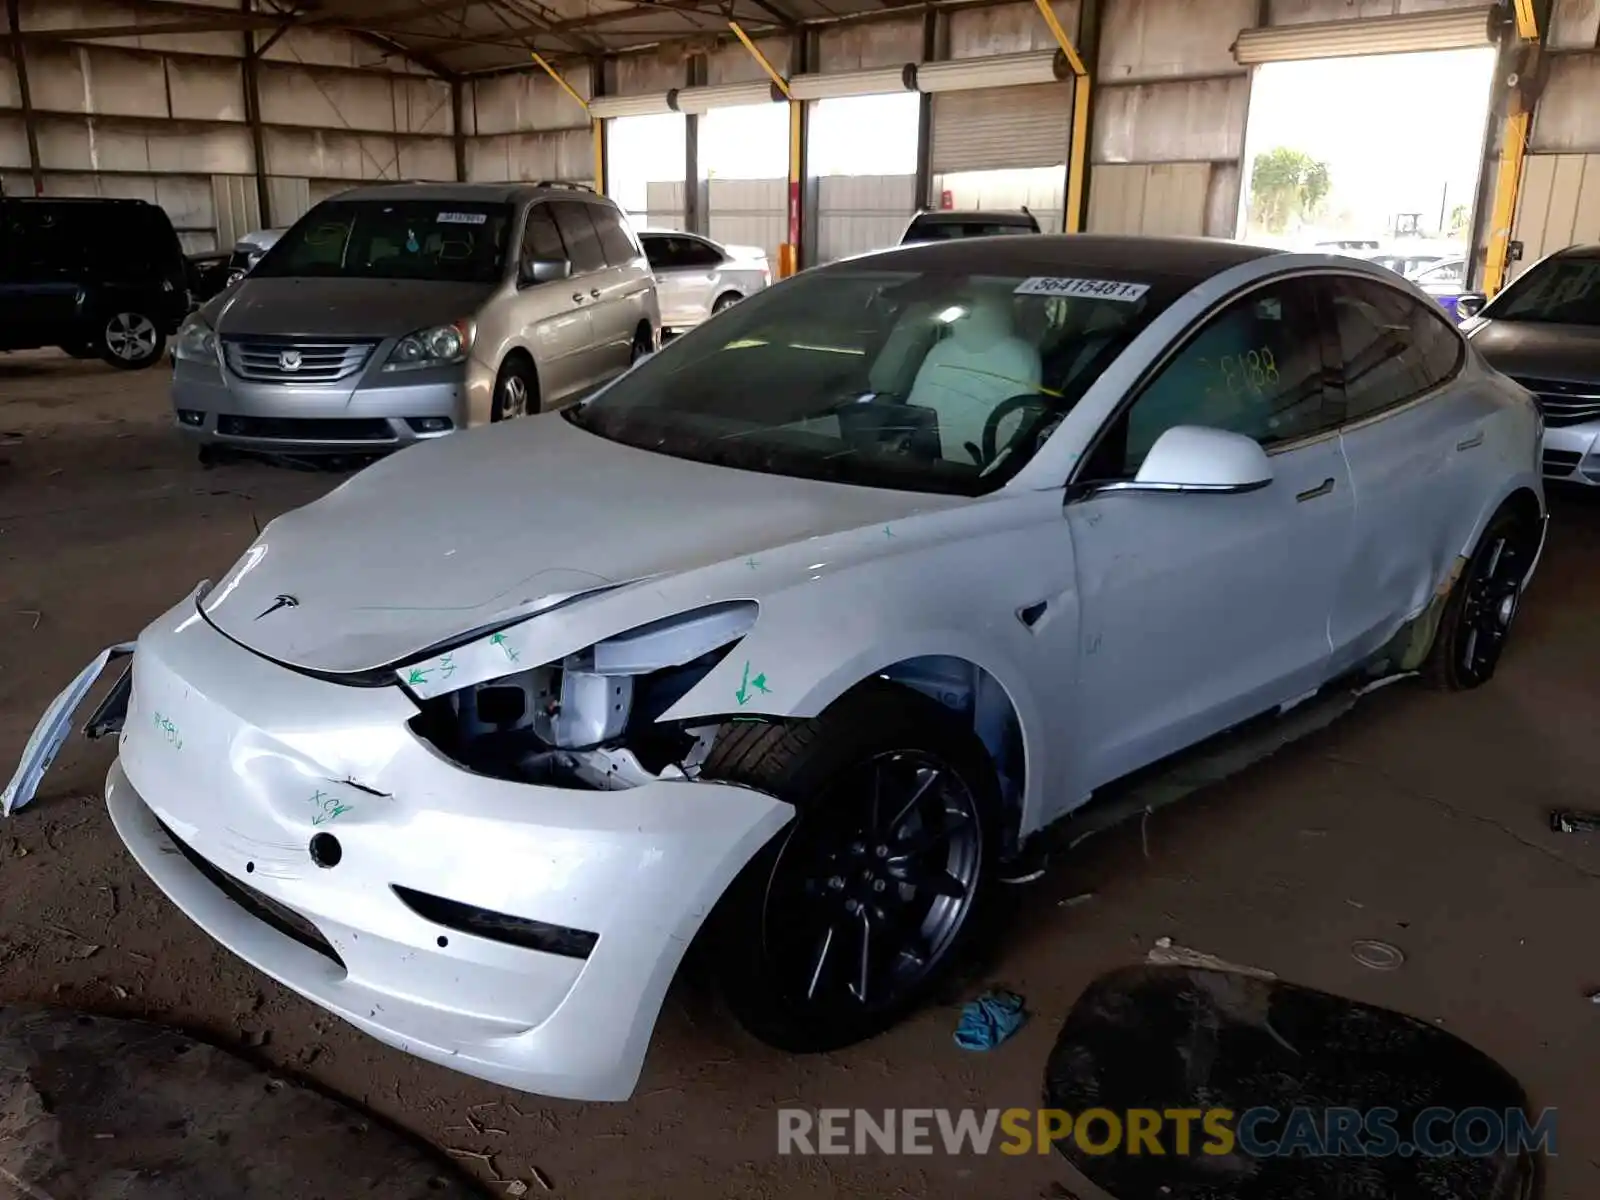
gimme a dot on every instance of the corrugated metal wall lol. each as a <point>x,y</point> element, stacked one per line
<point>1560,199</point>
<point>858,213</point>
<point>162,117</point>
<point>1170,113</point>
<point>749,212</point>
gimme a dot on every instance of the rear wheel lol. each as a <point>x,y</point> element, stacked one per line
<point>726,300</point>
<point>1483,604</point>
<point>643,345</point>
<point>131,341</point>
<point>516,391</point>
<point>854,913</point>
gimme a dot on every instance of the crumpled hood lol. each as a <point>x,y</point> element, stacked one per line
<point>452,535</point>
<point>1533,350</point>
<point>309,307</point>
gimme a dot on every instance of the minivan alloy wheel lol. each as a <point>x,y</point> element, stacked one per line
<point>132,337</point>
<point>513,397</point>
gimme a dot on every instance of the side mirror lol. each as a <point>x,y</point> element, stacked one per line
<point>544,270</point>
<point>1191,458</point>
<point>1470,304</point>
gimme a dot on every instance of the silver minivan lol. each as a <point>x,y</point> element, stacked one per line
<point>391,314</point>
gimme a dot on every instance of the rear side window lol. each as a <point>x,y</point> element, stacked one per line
<point>580,235</point>
<point>696,253</point>
<point>41,244</point>
<point>615,240</point>
<point>1392,347</point>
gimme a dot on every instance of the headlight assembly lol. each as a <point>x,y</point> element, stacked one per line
<point>196,341</point>
<point>610,693</point>
<point>436,346</point>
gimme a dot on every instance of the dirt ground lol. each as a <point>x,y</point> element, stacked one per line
<point>1419,820</point>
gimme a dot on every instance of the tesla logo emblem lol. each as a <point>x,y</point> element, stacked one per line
<point>283,601</point>
<point>289,360</point>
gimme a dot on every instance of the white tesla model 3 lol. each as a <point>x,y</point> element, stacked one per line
<point>795,635</point>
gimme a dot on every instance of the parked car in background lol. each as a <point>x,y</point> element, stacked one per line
<point>396,313</point>
<point>790,639</point>
<point>247,252</point>
<point>209,274</point>
<point>98,278</point>
<point>943,224</point>
<point>1445,281</point>
<point>1544,331</point>
<point>696,277</point>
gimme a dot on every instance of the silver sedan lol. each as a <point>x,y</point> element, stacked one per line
<point>696,277</point>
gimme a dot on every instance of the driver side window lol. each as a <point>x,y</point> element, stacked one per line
<point>1254,368</point>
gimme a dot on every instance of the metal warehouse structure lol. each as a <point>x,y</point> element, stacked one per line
<point>239,114</point>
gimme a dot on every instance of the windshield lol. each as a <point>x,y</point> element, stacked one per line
<point>1564,291</point>
<point>443,240</point>
<point>897,379</point>
<point>945,229</point>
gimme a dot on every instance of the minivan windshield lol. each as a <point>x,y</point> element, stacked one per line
<point>918,381</point>
<point>1558,291</point>
<point>442,240</point>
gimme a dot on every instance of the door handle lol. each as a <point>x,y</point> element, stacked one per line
<point>595,293</point>
<point>1322,489</point>
<point>1468,443</point>
<point>577,297</point>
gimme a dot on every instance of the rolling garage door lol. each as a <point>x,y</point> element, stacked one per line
<point>1459,29</point>
<point>997,128</point>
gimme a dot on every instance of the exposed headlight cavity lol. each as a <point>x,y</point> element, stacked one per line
<point>553,722</point>
<point>437,346</point>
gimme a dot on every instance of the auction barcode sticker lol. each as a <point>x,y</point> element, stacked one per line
<point>1094,289</point>
<point>461,218</point>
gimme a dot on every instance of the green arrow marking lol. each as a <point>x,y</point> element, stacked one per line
<point>751,562</point>
<point>748,687</point>
<point>887,532</point>
<point>418,675</point>
<point>499,639</point>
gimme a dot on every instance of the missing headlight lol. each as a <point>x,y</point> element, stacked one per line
<point>590,720</point>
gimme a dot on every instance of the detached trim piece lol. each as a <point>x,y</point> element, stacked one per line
<point>498,927</point>
<point>1463,29</point>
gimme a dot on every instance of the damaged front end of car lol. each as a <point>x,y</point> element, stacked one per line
<point>590,719</point>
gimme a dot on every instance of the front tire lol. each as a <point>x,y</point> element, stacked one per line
<point>1482,606</point>
<point>863,905</point>
<point>516,391</point>
<point>131,341</point>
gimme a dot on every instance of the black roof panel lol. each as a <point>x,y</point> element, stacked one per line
<point>1192,259</point>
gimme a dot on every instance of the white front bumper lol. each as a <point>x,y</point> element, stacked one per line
<point>244,761</point>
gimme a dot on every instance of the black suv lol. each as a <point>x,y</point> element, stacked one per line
<point>98,278</point>
<point>942,224</point>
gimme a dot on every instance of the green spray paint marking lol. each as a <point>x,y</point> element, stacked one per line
<point>499,639</point>
<point>759,683</point>
<point>447,666</point>
<point>169,731</point>
<point>751,562</point>
<point>887,532</point>
<point>418,675</point>
<point>327,808</point>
